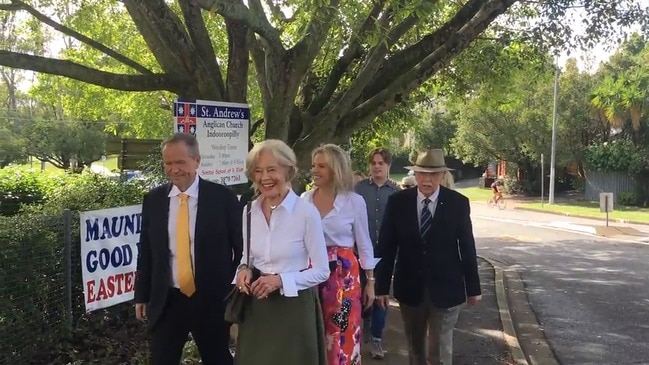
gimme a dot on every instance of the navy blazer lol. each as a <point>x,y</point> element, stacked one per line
<point>444,262</point>
<point>217,248</point>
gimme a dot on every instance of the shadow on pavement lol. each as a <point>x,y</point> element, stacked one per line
<point>478,338</point>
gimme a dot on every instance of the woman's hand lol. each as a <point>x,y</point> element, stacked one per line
<point>265,285</point>
<point>368,295</point>
<point>243,280</point>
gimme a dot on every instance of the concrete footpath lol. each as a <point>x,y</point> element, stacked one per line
<point>479,337</point>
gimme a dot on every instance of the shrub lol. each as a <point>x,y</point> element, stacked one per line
<point>32,266</point>
<point>20,186</point>
<point>619,155</point>
<point>627,198</point>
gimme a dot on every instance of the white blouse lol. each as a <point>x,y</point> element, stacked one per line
<point>286,244</point>
<point>347,225</point>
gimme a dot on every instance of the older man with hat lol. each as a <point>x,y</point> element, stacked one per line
<point>429,229</point>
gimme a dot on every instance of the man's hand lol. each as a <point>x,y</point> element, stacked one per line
<point>471,301</point>
<point>383,301</point>
<point>140,312</point>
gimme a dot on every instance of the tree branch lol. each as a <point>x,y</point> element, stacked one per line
<point>336,111</point>
<point>11,7</point>
<point>238,56</point>
<point>201,41</point>
<point>259,60</point>
<point>79,72</point>
<point>236,10</point>
<point>351,53</point>
<point>19,5</point>
<point>408,80</point>
<point>255,126</point>
<point>276,11</point>
<point>411,56</point>
<point>306,49</point>
<point>157,43</point>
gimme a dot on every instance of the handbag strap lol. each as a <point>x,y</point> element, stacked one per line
<point>248,233</point>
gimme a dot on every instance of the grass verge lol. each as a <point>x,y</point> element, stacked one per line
<point>476,193</point>
<point>591,209</point>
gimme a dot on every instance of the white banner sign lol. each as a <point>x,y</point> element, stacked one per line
<point>222,132</point>
<point>109,240</point>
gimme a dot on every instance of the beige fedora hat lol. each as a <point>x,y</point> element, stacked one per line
<point>430,161</point>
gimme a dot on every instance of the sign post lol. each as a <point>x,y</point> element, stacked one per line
<point>222,130</point>
<point>606,204</point>
<point>542,181</point>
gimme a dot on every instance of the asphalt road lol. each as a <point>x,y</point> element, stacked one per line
<point>590,294</point>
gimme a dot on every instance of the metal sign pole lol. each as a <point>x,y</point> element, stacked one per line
<point>542,181</point>
<point>606,207</point>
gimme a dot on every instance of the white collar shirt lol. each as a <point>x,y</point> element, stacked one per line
<point>174,204</point>
<point>346,225</point>
<point>288,244</point>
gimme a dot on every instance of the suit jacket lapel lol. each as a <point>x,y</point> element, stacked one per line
<point>412,216</point>
<point>439,207</point>
<point>164,219</point>
<point>200,217</point>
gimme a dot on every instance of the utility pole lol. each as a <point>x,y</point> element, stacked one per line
<point>554,131</point>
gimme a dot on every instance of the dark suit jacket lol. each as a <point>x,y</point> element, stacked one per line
<point>444,263</point>
<point>217,248</point>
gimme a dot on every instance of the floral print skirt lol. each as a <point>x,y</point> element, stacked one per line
<point>341,305</point>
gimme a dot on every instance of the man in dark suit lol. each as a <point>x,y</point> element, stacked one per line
<point>190,246</point>
<point>429,228</point>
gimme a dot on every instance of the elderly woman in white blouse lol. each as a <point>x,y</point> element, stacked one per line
<point>344,219</point>
<point>283,323</point>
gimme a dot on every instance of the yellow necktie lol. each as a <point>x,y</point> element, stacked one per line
<point>183,253</point>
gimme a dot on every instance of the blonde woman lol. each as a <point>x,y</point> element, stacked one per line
<point>283,324</point>
<point>344,220</point>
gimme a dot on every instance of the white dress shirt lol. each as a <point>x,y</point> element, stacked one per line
<point>432,205</point>
<point>286,244</point>
<point>174,203</point>
<point>346,224</point>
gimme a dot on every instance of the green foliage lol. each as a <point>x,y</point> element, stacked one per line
<point>436,130</point>
<point>32,266</point>
<point>388,131</point>
<point>153,168</point>
<point>32,310</point>
<point>627,198</point>
<point>20,186</point>
<point>59,142</point>
<point>91,191</point>
<point>12,146</point>
<point>622,92</point>
<point>618,155</point>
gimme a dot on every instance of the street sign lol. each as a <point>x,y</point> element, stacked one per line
<point>606,204</point>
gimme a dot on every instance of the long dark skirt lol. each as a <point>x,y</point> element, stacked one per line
<point>282,331</point>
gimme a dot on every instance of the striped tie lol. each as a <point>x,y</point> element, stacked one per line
<point>426,218</point>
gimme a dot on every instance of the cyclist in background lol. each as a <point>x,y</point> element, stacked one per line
<point>495,188</point>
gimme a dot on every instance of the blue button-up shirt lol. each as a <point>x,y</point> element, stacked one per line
<point>376,198</point>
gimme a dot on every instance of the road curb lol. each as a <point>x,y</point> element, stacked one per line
<point>505,315</point>
<point>625,221</point>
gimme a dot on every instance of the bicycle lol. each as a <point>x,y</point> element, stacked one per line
<point>502,204</point>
